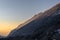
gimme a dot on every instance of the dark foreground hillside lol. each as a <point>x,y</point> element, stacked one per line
<point>45,27</point>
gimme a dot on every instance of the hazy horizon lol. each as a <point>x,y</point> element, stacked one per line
<point>15,12</point>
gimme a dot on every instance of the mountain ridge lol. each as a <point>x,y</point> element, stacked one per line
<point>42,26</point>
<point>46,13</point>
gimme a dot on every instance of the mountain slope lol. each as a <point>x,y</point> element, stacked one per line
<point>40,26</point>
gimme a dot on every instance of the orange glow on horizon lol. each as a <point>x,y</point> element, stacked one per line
<point>6,27</point>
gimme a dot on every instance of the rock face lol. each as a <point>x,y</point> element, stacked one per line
<point>43,26</point>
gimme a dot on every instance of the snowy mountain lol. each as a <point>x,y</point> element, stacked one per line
<point>42,26</point>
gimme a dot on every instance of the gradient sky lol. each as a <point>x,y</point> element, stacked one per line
<point>14,12</point>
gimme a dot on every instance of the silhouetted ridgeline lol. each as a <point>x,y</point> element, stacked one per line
<point>43,26</point>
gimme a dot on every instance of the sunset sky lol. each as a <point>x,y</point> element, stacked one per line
<point>15,12</point>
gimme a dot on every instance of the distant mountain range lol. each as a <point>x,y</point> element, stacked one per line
<point>42,26</point>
